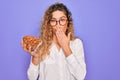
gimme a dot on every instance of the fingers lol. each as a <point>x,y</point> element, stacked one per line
<point>60,32</point>
<point>29,50</point>
<point>28,47</point>
<point>60,35</point>
<point>62,38</point>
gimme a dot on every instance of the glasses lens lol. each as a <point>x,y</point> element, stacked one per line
<point>62,21</point>
<point>53,22</point>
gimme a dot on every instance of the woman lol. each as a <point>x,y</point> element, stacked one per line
<point>60,55</point>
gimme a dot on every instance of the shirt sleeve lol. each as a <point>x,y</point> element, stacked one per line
<point>32,71</point>
<point>76,61</point>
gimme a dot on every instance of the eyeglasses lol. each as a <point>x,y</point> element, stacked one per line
<point>62,22</point>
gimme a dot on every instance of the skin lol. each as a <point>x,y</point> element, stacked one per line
<point>59,38</point>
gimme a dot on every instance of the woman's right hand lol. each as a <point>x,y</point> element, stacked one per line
<point>29,50</point>
<point>30,44</point>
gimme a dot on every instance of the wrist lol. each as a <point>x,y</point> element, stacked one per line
<point>35,60</point>
<point>67,51</point>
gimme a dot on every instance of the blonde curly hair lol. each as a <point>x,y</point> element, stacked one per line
<point>46,33</point>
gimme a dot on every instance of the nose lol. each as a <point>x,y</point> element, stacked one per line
<point>57,23</point>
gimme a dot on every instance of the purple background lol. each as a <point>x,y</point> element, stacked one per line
<point>97,23</point>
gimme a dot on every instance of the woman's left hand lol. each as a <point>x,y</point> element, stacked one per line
<point>64,41</point>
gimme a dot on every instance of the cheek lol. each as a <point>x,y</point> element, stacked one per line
<point>54,29</point>
<point>64,28</point>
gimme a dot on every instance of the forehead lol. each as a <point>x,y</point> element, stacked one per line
<point>58,14</point>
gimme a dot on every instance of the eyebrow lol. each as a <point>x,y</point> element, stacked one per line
<point>60,17</point>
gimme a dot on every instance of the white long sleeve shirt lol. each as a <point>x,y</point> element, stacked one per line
<point>58,67</point>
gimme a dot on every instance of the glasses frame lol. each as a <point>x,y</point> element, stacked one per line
<point>56,22</point>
